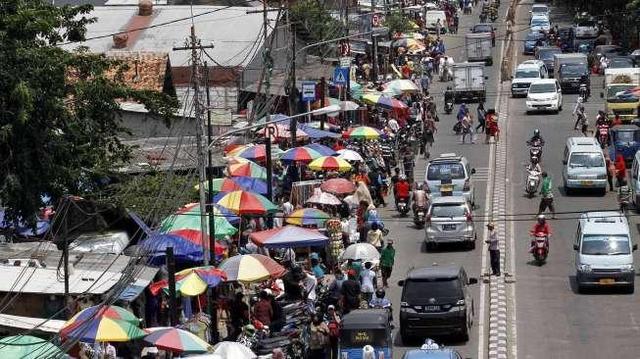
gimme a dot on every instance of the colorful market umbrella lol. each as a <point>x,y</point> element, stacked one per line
<point>250,152</point>
<point>247,169</point>
<point>322,149</point>
<point>190,217</point>
<point>402,86</point>
<point>101,330</point>
<point>338,186</point>
<point>193,281</point>
<point>186,244</point>
<point>249,268</point>
<point>329,163</point>
<point>28,347</point>
<point>229,184</point>
<point>363,133</point>
<point>288,237</point>
<point>281,131</point>
<point>106,311</point>
<point>383,101</point>
<point>176,340</point>
<point>307,217</point>
<point>300,154</point>
<point>316,133</point>
<point>350,155</point>
<point>233,350</point>
<point>243,202</point>
<point>409,43</point>
<point>324,198</point>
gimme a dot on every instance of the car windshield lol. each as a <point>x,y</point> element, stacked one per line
<point>586,23</point>
<point>627,136</point>
<point>539,22</point>
<point>617,90</point>
<point>439,171</point>
<point>605,244</point>
<point>527,74</point>
<point>419,291</point>
<point>539,9</point>
<point>586,159</point>
<point>482,28</point>
<point>542,88</point>
<point>448,210</point>
<point>573,70</point>
<point>621,64</point>
<point>533,36</point>
<point>548,54</point>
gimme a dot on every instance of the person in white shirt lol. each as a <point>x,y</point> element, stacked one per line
<point>393,125</point>
<point>367,282</point>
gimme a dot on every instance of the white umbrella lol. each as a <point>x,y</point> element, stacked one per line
<point>350,155</point>
<point>361,251</point>
<point>233,350</point>
<point>324,198</point>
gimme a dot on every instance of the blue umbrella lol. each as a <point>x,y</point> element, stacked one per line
<point>324,150</point>
<point>251,184</point>
<point>275,117</point>
<point>316,133</point>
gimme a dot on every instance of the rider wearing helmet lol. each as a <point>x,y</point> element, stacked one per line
<point>541,227</point>
<point>379,301</point>
<point>536,137</point>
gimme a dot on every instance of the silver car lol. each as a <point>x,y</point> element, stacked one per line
<point>453,168</point>
<point>450,220</point>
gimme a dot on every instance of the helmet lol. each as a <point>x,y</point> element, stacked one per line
<point>536,132</point>
<point>380,293</point>
<point>249,329</point>
<point>580,99</point>
<point>403,177</point>
<point>541,218</point>
<point>419,186</point>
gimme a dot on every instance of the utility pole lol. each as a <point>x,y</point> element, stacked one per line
<point>171,270</point>
<point>322,93</point>
<point>293,91</point>
<point>206,207</point>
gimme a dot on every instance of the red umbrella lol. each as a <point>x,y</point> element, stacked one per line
<point>338,186</point>
<point>195,237</point>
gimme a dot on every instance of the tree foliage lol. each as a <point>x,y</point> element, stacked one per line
<point>59,115</point>
<point>314,23</point>
<point>397,22</point>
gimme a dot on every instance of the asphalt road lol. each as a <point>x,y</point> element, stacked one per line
<point>553,320</point>
<point>410,251</point>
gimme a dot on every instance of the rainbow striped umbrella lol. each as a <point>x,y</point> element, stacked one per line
<point>190,217</point>
<point>300,154</point>
<point>229,184</point>
<point>249,268</point>
<point>193,281</point>
<point>378,99</point>
<point>307,217</point>
<point>329,163</point>
<point>176,340</point>
<point>247,169</point>
<point>98,325</point>
<point>363,133</point>
<point>254,152</point>
<point>402,86</point>
<point>243,202</point>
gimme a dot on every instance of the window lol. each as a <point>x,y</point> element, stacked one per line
<point>543,88</point>
<point>438,171</point>
<point>418,291</point>
<point>599,244</point>
<point>586,159</point>
<point>528,74</point>
<point>448,210</point>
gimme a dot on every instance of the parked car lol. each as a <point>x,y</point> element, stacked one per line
<point>450,220</point>
<point>436,300</point>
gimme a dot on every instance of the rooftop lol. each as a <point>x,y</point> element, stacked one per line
<point>450,271</point>
<point>236,36</point>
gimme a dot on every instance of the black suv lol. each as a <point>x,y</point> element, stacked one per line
<point>436,300</point>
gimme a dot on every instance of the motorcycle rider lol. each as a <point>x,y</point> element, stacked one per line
<point>419,198</point>
<point>536,138</point>
<point>602,126</point>
<point>581,117</point>
<point>541,227</point>
<point>379,301</point>
<point>402,190</point>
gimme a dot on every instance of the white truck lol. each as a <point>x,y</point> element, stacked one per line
<point>468,82</point>
<point>616,81</point>
<point>478,47</point>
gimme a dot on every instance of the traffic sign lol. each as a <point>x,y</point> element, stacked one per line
<point>345,48</point>
<point>308,91</point>
<point>340,75</point>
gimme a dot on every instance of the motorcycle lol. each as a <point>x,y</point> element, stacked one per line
<point>420,217</point>
<point>493,17</point>
<point>533,181</point>
<point>403,206</point>
<point>624,198</point>
<point>584,92</point>
<point>448,107</point>
<point>535,151</point>
<point>540,248</point>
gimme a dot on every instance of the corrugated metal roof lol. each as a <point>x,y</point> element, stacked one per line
<point>232,31</point>
<point>29,323</point>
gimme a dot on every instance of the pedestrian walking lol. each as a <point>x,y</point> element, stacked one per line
<point>466,129</point>
<point>481,117</point>
<point>318,338</point>
<point>368,282</point>
<point>387,258</point>
<point>611,170</point>
<point>546,191</point>
<point>438,27</point>
<point>621,170</point>
<point>494,250</point>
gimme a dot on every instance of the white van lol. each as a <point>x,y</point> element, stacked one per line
<point>634,182</point>
<point>431,19</point>
<point>584,165</point>
<point>526,73</point>
<point>604,251</point>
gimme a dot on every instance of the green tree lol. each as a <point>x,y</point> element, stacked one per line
<point>59,115</point>
<point>397,22</point>
<point>314,23</point>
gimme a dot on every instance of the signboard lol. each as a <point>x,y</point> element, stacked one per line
<point>345,61</point>
<point>308,91</point>
<point>345,48</point>
<point>340,75</point>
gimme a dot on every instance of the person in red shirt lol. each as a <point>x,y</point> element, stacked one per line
<point>262,310</point>
<point>621,170</point>
<point>402,189</point>
<point>540,227</point>
<point>338,146</point>
<point>616,120</point>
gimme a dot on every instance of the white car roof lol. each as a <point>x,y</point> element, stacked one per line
<point>449,199</point>
<point>604,222</point>
<point>544,81</point>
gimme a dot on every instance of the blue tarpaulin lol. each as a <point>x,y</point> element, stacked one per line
<point>22,229</point>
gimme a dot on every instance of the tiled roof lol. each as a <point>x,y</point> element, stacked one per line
<point>144,70</point>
